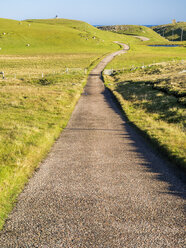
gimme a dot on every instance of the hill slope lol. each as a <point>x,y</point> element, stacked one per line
<point>172,32</point>
<point>53,36</point>
<point>134,30</point>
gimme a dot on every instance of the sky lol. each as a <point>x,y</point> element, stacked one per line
<point>97,12</point>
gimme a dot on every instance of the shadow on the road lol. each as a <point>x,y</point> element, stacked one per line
<point>156,163</point>
<point>94,129</point>
<point>94,75</point>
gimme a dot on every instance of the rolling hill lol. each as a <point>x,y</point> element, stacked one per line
<point>134,30</point>
<point>172,32</point>
<point>53,36</point>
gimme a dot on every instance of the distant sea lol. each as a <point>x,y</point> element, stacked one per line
<point>149,25</point>
<point>140,25</point>
<point>99,25</point>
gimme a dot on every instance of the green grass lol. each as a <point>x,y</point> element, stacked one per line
<point>153,99</point>
<point>140,55</point>
<point>172,32</point>
<point>32,115</point>
<point>54,36</point>
<point>140,52</point>
<point>24,66</point>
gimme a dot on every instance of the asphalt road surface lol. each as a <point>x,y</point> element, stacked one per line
<point>142,38</point>
<point>102,185</point>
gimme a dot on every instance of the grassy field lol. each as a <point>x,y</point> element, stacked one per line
<point>154,99</point>
<point>53,36</point>
<point>172,32</point>
<point>140,55</point>
<point>33,66</point>
<point>32,115</point>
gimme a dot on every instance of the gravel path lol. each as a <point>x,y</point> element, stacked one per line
<point>100,186</point>
<point>142,38</point>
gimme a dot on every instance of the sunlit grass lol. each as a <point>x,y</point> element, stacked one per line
<point>153,98</point>
<point>140,55</point>
<point>32,115</point>
<point>63,36</point>
<point>135,30</point>
<point>34,66</point>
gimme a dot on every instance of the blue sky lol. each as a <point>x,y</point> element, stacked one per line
<point>96,12</point>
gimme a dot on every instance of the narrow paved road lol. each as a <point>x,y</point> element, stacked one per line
<point>142,38</point>
<point>100,186</point>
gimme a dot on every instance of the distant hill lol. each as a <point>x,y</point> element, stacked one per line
<point>134,30</point>
<point>172,32</point>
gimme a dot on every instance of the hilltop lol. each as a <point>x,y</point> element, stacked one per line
<point>172,32</point>
<point>133,30</point>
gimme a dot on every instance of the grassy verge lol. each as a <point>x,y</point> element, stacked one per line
<point>153,99</point>
<point>32,115</point>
